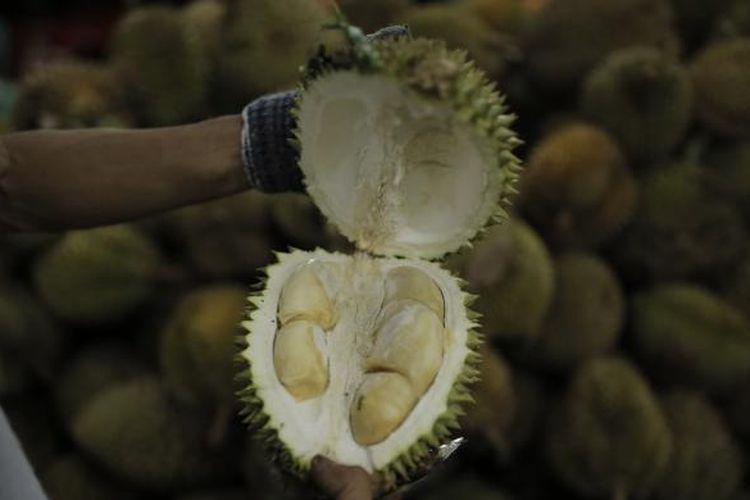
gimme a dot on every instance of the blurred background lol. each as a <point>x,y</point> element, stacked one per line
<point>615,300</point>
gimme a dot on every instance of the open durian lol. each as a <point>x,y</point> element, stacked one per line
<point>366,358</point>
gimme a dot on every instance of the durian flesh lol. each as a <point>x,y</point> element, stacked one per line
<point>361,359</point>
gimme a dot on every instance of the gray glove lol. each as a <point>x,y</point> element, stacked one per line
<point>269,159</point>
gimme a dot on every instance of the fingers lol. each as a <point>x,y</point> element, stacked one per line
<point>341,482</point>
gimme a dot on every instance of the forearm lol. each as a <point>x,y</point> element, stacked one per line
<point>85,178</point>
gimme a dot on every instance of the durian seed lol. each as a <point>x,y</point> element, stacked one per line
<point>410,343</point>
<point>304,297</point>
<point>298,361</point>
<point>381,404</point>
<point>410,283</point>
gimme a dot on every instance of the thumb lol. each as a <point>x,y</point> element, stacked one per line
<point>341,482</point>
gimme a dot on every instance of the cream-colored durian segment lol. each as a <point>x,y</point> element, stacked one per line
<point>381,404</point>
<point>410,342</point>
<point>407,282</point>
<point>299,364</point>
<point>303,297</point>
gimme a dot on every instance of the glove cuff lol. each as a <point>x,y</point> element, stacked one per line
<point>268,158</point>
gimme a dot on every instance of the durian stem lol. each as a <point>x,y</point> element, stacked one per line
<point>219,426</point>
<point>620,493</point>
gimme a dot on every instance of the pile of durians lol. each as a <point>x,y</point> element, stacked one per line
<point>615,301</point>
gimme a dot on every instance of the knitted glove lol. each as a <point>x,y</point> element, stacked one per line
<point>269,159</point>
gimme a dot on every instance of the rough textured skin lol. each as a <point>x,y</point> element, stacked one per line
<point>576,188</point>
<point>568,38</point>
<point>197,346</point>
<point>510,270</point>
<point>609,437</point>
<point>144,40</point>
<point>70,478</point>
<point>721,74</point>
<point>705,463</point>
<point>98,275</point>
<point>135,431</point>
<point>680,229</point>
<point>587,313</point>
<point>69,95</point>
<point>687,335</point>
<point>643,98</point>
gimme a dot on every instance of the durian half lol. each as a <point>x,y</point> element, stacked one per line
<point>366,358</point>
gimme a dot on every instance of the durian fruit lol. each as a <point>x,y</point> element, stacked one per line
<point>721,75</point>
<point>99,275</point>
<point>577,189</point>
<point>371,16</point>
<point>366,358</point>
<point>93,369</point>
<point>587,313</point>
<point>226,238</point>
<point>680,229</point>
<point>133,430</point>
<point>566,39</point>
<point>70,478</point>
<point>686,335</point>
<point>263,45</point>
<point>487,422</point>
<point>510,270</point>
<point>30,342</point>
<point>70,94</point>
<point>461,28</point>
<point>609,438</point>
<point>198,345</point>
<point>643,97</point>
<point>705,463</point>
<point>162,69</point>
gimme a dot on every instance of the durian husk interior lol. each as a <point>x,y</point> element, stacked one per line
<point>363,360</point>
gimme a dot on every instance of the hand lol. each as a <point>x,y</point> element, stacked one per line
<point>342,482</point>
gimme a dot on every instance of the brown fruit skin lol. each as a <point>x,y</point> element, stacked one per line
<point>705,463</point>
<point>609,435</point>
<point>586,316</point>
<point>721,77</point>
<point>576,188</point>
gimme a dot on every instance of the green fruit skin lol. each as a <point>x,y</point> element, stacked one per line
<point>687,335</point>
<point>71,478</point>
<point>643,98</point>
<point>510,270</point>
<point>97,276</point>
<point>721,75</point>
<point>609,435</point>
<point>587,313</point>
<point>138,434</point>
<point>576,188</point>
<point>705,463</point>
<point>198,345</point>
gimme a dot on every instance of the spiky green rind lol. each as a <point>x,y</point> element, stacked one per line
<point>410,464</point>
<point>434,72</point>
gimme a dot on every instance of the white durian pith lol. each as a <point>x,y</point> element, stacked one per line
<point>398,173</point>
<point>307,424</point>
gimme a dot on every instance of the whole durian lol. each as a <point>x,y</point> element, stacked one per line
<point>705,463</point>
<point>577,189</point>
<point>198,345</point>
<point>263,45</point>
<point>366,358</point>
<point>161,67</point>
<point>609,438</point>
<point>721,75</point>
<point>587,313</point>
<point>680,229</point>
<point>70,478</point>
<point>566,39</point>
<point>688,336</point>
<point>510,270</point>
<point>70,94</point>
<point>99,275</point>
<point>227,238</point>
<point>133,430</point>
<point>643,97</point>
